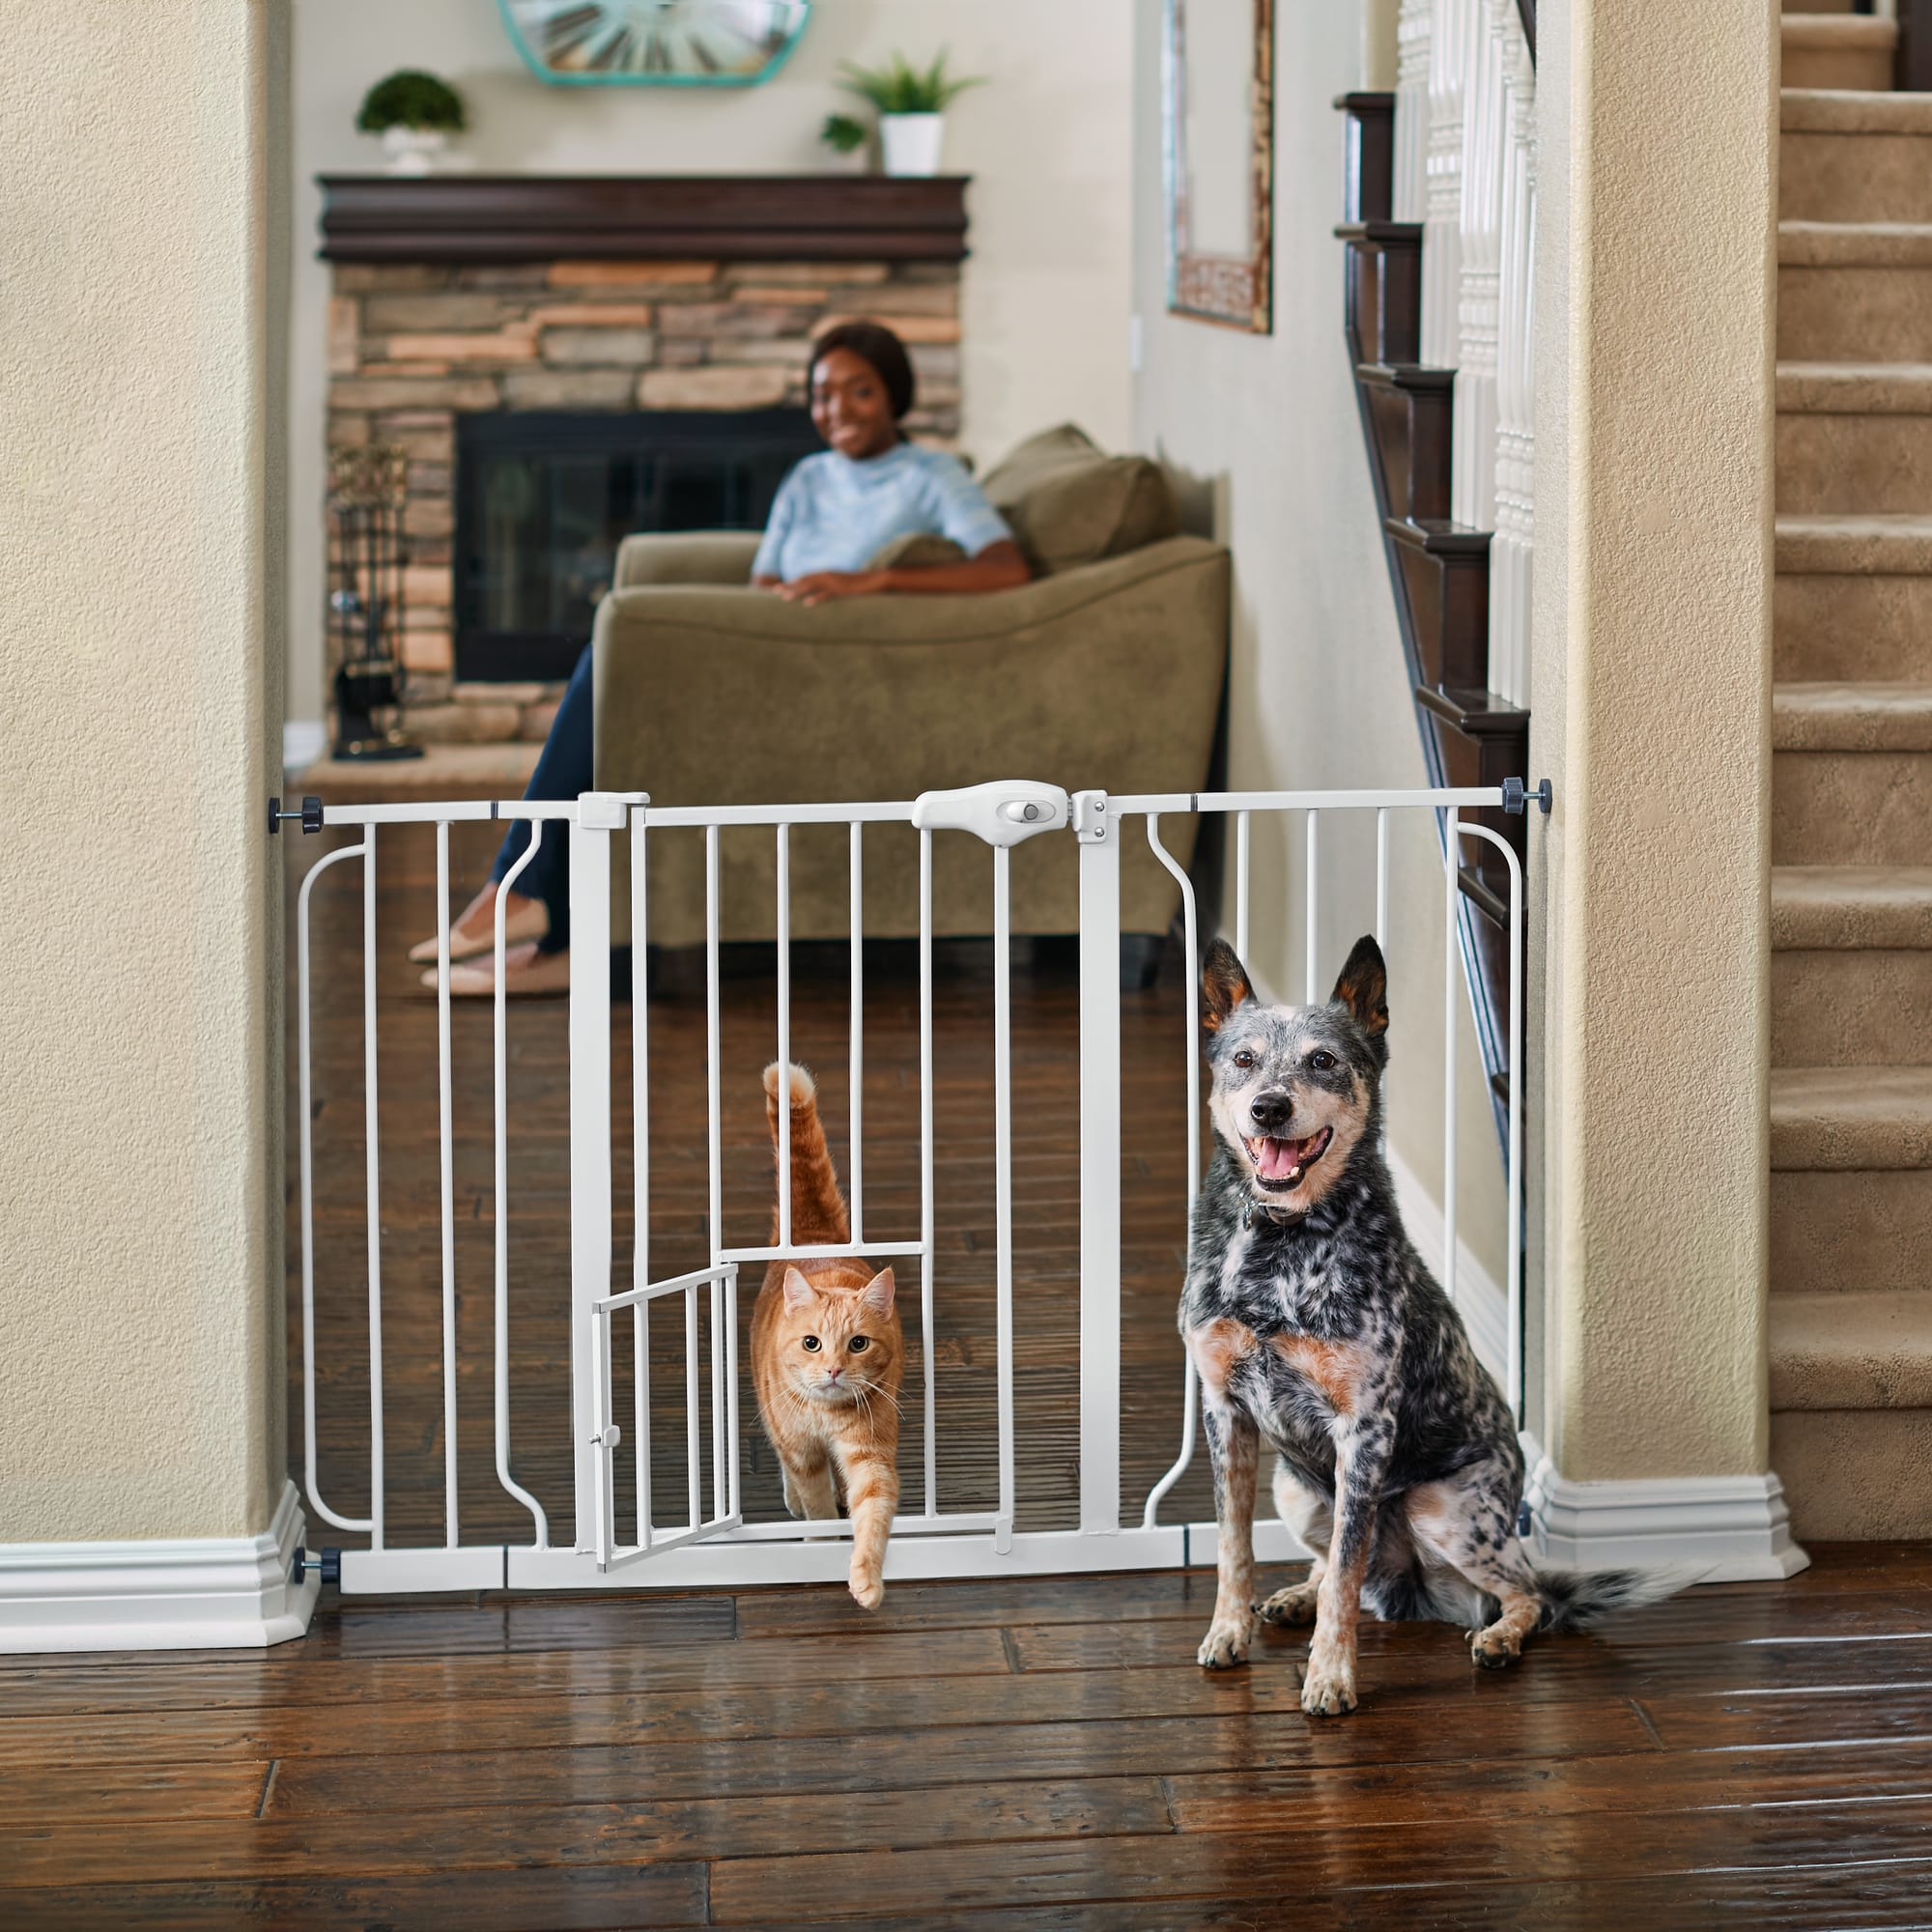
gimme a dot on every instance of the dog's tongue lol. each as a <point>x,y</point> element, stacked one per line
<point>1280,1158</point>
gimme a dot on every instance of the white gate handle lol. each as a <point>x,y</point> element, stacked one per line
<point>1000,813</point>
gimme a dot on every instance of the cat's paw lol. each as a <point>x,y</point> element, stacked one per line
<point>793,1507</point>
<point>867,1592</point>
<point>1226,1643</point>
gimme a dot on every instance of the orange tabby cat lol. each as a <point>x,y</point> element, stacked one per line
<point>827,1356</point>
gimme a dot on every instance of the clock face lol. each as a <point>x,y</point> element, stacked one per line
<point>654,43</point>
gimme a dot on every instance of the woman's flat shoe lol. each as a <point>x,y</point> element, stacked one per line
<point>526,969</point>
<point>531,922</point>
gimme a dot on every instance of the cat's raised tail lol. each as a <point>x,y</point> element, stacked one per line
<point>818,1216</point>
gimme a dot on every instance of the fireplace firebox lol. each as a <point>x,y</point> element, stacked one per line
<point>543,500</point>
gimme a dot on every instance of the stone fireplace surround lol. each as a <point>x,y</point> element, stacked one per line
<point>468,294</point>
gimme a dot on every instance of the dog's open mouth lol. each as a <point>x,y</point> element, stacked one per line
<point>1280,1164</point>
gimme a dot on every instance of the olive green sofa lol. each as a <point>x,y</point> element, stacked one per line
<point>1104,673</point>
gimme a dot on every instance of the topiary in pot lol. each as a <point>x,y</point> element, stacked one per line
<point>912,104</point>
<point>415,113</point>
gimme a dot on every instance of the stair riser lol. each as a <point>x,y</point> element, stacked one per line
<point>1855,177</point>
<point>1851,807</point>
<point>1853,314</point>
<point>1851,1230</point>
<point>1852,630</point>
<point>1854,464</point>
<point>1867,69</point>
<point>1851,1008</point>
<point>1856,1475</point>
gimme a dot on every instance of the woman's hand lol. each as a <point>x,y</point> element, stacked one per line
<point>822,585</point>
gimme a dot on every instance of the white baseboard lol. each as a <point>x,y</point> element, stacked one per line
<point>1733,1528</point>
<point>303,741</point>
<point>208,1593</point>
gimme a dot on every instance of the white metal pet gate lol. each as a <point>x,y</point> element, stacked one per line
<point>714,1546</point>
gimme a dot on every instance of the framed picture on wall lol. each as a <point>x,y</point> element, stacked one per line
<point>1217,120</point>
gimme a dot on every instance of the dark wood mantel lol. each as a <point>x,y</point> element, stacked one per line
<point>726,218</point>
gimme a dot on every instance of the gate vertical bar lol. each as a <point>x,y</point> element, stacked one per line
<point>1191,1398</point>
<point>1312,909</point>
<point>1515,1192</point>
<point>854,1077</point>
<point>1452,966</point>
<point>1100,1170</point>
<point>714,1088</point>
<point>926,1215</point>
<point>444,1139</point>
<point>500,1090</point>
<point>640,1168</point>
<point>1382,876</point>
<point>784,1059</point>
<point>1002,1161</point>
<point>375,1182</point>
<point>589,1139</point>
<point>1241,868</point>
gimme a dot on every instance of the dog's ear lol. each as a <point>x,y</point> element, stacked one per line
<point>1363,987</point>
<point>1224,985</point>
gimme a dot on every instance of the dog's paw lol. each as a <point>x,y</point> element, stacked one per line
<point>1329,1689</point>
<point>1291,1606</point>
<point>1495,1648</point>
<point>1226,1643</point>
<point>868,1591</point>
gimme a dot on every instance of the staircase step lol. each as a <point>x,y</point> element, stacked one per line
<point>1857,1473</point>
<point>1854,291</point>
<point>1851,718</point>
<point>1851,1228</point>
<point>1851,1007</point>
<point>1847,627</point>
<point>1893,544</point>
<point>1834,1118</point>
<point>1851,966</point>
<point>1857,1350</point>
<point>1850,50</point>
<point>1855,157</point>
<point>1854,438</point>
<point>1851,907</point>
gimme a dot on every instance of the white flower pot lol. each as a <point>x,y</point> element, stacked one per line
<point>911,142</point>
<point>413,151</point>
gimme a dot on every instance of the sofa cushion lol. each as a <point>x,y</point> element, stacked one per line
<point>921,550</point>
<point>1071,503</point>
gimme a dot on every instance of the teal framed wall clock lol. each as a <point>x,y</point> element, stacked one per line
<point>654,43</point>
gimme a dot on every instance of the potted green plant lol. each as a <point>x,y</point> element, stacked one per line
<point>846,137</point>
<point>415,114</point>
<point>912,104</point>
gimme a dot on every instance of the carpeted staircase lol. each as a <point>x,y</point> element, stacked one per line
<point>1850,895</point>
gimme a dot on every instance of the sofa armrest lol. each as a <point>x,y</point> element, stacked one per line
<point>686,556</point>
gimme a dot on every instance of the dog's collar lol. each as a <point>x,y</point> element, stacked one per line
<point>1250,1208</point>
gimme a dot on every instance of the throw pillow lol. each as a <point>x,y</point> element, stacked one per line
<point>1071,503</point>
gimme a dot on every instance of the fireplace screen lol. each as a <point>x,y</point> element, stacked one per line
<point>543,501</point>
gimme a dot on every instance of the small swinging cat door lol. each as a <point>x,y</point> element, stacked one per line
<point>607,1434</point>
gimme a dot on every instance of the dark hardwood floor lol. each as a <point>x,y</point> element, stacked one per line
<point>1010,1756</point>
<point>983,1755</point>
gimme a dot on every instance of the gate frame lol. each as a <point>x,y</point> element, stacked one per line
<point>721,1551</point>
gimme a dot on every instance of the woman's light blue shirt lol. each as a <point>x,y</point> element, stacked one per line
<point>834,514</point>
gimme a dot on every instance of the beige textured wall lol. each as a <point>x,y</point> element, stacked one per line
<point>139,1251</point>
<point>1657,172</point>
<point>1047,289</point>
<point>1266,429</point>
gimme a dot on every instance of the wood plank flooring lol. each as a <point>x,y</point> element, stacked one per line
<point>1006,1756</point>
<point>1017,1755</point>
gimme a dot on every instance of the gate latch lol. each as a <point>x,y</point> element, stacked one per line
<point>1001,814</point>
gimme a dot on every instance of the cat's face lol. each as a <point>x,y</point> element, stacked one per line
<point>839,1344</point>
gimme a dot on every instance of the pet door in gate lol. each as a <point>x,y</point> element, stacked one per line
<point>607,1434</point>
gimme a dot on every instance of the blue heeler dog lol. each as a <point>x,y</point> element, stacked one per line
<point>1315,1327</point>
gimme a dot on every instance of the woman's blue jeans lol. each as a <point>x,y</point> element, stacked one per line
<point>565,768</point>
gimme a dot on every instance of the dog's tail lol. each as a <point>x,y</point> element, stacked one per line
<point>1581,1599</point>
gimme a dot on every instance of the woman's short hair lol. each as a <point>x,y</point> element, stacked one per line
<point>875,343</point>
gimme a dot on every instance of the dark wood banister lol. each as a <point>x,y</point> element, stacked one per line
<point>1526,10</point>
<point>1912,67</point>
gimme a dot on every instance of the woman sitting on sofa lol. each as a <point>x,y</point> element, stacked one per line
<point>834,513</point>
